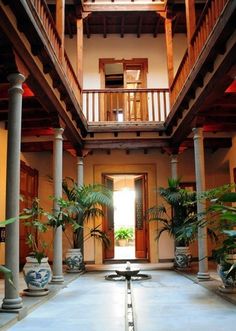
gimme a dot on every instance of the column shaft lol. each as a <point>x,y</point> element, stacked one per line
<point>80,170</point>
<point>201,207</point>
<point>57,186</point>
<point>174,166</point>
<point>12,299</point>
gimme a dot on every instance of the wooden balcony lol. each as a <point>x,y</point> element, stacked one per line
<point>206,24</point>
<point>126,105</point>
<point>40,11</point>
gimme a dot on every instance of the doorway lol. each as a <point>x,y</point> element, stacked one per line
<point>124,223</point>
<point>124,79</point>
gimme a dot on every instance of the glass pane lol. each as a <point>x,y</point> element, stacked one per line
<point>133,75</point>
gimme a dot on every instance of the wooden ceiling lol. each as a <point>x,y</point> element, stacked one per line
<point>126,22</point>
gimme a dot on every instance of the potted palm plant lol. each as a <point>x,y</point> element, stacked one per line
<point>87,202</point>
<point>122,235</point>
<point>225,252</point>
<point>37,272</point>
<point>178,217</point>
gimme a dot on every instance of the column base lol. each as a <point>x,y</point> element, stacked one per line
<point>57,280</point>
<point>203,276</point>
<point>12,304</point>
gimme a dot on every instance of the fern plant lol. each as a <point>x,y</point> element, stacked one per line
<point>177,214</point>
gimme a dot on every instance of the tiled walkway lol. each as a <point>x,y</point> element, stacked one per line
<point>167,302</point>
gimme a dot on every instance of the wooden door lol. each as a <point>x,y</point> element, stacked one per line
<point>140,184</point>
<point>136,102</point>
<point>109,252</point>
<point>28,191</point>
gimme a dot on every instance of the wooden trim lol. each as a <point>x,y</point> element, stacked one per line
<point>190,18</point>
<point>60,22</point>
<point>94,7</point>
<point>79,26</point>
<point>169,49</point>
<point>103,61</point>
<point>124,90</point>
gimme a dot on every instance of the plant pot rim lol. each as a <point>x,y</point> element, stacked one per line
<point>33,259</point>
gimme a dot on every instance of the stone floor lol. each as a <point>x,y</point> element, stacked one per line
<point>169,301</point>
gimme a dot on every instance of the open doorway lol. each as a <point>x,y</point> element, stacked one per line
<point>125,223</point>
<point>124,217</point>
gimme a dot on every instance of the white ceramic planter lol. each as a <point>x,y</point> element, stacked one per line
<point>74,260</point>
<point>183,257</point>
<point>229,284</point>
<point>37,276</point>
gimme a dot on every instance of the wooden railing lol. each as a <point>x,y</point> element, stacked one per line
<point>125,105</point>
<point>48,24</point>
<point>206,23</point>
<point>71,78</point>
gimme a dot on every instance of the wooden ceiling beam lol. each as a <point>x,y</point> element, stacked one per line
<point>157,25</point>
<point>210,143</point>
<point>44,146</point>
<point>121,7</point>
<point>68,25</point>
<point>126,144</point>
<point>140,23</point>
<point>122,27</point>
<point>87,28</point>
<point>37,132</point>
<point>104,26</point>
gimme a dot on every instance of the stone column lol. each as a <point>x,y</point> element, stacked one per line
<point>174,166</point>
<point>57,191</point>
<point>80,170</point>
<point>201,207</point>
<point>80,181</point>
<point>12,300</point>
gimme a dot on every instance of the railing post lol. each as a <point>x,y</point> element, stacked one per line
<point>79,26</point>
<point>60,25</point>
<point>191,26</point>
<point>169,49</point>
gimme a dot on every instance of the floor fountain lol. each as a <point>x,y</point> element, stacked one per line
<point>127,274</point>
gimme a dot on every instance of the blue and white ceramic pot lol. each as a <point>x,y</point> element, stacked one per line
<point>37,276</point>
<point>183,257</point>
<point>74,260</point>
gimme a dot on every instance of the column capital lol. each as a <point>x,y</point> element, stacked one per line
<point>58,132</point>
<point>80,160</point>
<point>16,80</point>
<point>174,158</point>
<point>198,132</point>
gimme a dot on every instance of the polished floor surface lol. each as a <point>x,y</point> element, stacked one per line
<point>167,302</point>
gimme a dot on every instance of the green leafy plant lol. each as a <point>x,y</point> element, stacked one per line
<point>35,226</point>
<point>220,208</point>
<point>124,233</point>
<point>87,203</point>
<point>177,214</point>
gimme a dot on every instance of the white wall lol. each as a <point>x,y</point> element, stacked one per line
<point>127,48</point>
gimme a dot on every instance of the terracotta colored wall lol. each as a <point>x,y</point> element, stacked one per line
<point>3,160</point>
<point>217,173</point>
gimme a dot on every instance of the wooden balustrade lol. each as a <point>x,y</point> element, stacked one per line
<point>205,26</point>
<point>72,78</point>
<point>49,26</point>
<point>125,105</point>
